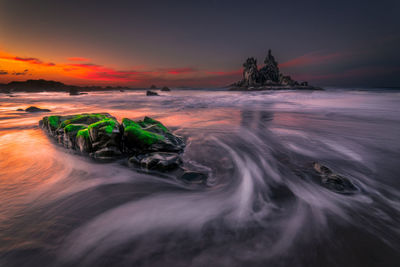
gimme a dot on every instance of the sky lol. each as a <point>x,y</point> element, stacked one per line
<point>199,43</point>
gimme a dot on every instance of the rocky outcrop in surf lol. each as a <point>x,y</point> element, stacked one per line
<point>333,181</point>
<point>147,143</point>
<point>35,109</point>
<point>268,77</point>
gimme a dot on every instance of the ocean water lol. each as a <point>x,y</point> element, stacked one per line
<point>259,207</point>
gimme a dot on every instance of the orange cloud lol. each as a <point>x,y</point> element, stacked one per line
<point>81,71</point>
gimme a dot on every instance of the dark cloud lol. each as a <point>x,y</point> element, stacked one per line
<point>20,73</point>
<point>33,60</point>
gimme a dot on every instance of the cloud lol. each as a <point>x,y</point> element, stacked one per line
<point>35,61</point>
<point>311,59</point>
<point>225,73</point>
<point>20,73</point>
<point>367,71</point>
<point>89,72</point>
<point>78,59</point>
<point>98,72</point>
<point>176,71</point>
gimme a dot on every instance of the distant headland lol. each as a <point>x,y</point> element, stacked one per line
<point>50,86</point>
<point>267,78</point>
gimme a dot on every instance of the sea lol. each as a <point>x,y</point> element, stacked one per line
<point>258,207</point>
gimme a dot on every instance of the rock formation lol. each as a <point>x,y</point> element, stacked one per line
<point>333,181</point>
<point>267,77</point>
<point>147,143</point>
<point>151,93</point>
<point>36,109</point>
<point>270,72</point>
<point>251,75</point>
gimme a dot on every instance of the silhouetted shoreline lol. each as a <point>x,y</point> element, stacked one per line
<point>42,85</point>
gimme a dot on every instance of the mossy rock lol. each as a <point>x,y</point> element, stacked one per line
<point>85,132</point>
<point>149,135</point>
<point>101,135</point>
<point>146,143</point>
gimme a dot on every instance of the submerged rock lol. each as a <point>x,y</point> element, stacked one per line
<point>160,161</point>
<point>165,89</point>
<point>194,177</point>
<point>151,93</point>
<point>36,109</point>
<point>333,181</point>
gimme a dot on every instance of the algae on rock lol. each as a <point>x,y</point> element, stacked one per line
<point>148,143</point>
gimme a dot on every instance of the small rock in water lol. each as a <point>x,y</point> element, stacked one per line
<point>20,109</point>
<point>333,181</point>
<point>153,86</point>
<point>160,161</point>
<point>36,109</point>
<point>73,91</point>
<point>151,93</point>
<point>165,89</point>
<point>194,177</point>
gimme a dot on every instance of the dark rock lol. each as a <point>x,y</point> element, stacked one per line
<point>333,181</point>
<point>251,76</point>
<point>270,72</point>
<point>267,78</point>
<point>20,109</point>
<point>160,161</point>
<point>194,177</point>
<point>286,80</point>
<point>165,89</point>
<point>74,91</point>
<point>36,109</point>
<point>153,86</point>
<point>304,83</point>
<point>105,137</point>
<point>107,153</point>
<point>151,93</point>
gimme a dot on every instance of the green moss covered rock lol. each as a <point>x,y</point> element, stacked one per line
<point>103,137</point>
<point>146,144</point>
<point>149,135</point>
<point>97,134</point>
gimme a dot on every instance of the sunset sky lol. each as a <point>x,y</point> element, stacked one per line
<point>198,43</point>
